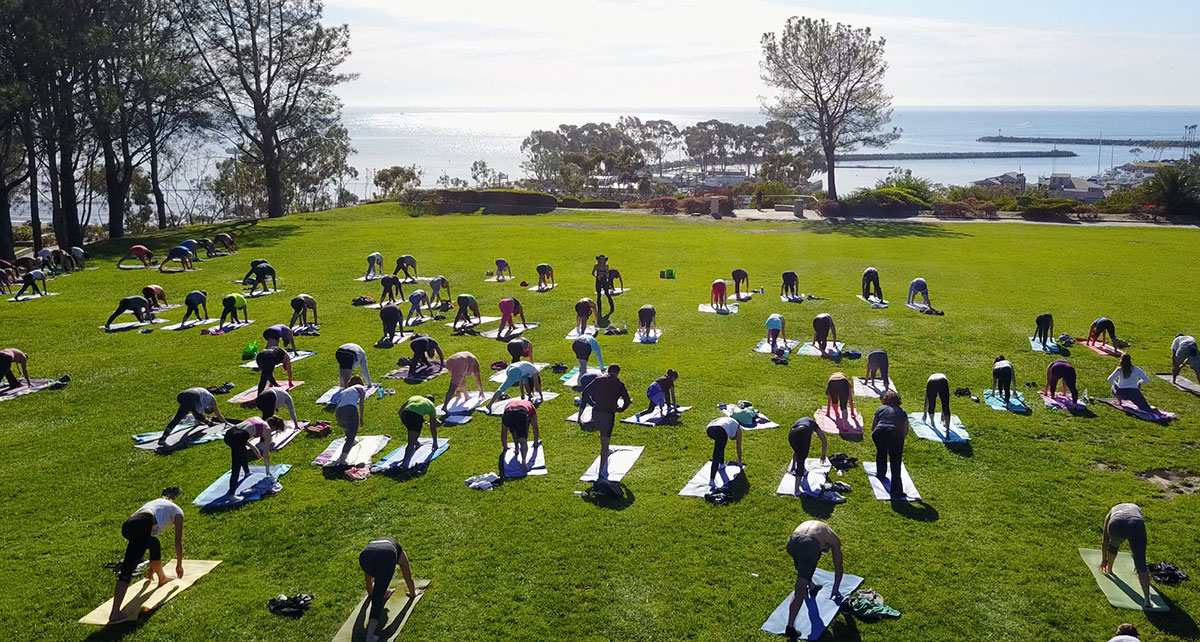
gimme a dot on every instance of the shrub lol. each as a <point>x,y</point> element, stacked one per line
<point>664,205</point>
<point>957,209</point>
<point>771,189</point>
<point>693,205</point>
<point>23,233</point>
<point>888,200</point>
<point>568,201</point>
<point>1045,206</point>
<point>491,201</point>
<point>920,188</point>
<point>599,203</point>
<point>829,208</point>
<point>1125,200</point>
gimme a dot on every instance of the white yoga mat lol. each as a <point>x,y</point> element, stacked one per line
<point>498,407</point>
<point>471,323</point>
<point>158,308</point>
<point>784,298</point>
<point>919,307</point>
<point>816,612</point>
<point>231,326</point>
<point>573,380</point>
<point>330,396</point>
<point>1036,345</point>
<point>31,297</point>
<point>509,333</point>
<point>654,336</point>
<point>501,376</point>
<point>299,355</point>
<point>764,346</point>
<point>620,461</point>
<point>815,475</point>
<point>832,349</point>
<point>548,287</point>
<point>533,453</point>
<point>698,485</point>
<point>882,489</point>
<point>761,422</point>
<point>498,279</point>
<point>131,325</point>
<point>619,291</point>
<point>937,431</point>
<point>367,279</point>
<point>590,330</point>
<point>458,406</point>
<point>874,389</point>
<point>586,415</point>
<point>189,324</point>
<point>365,447</point>
<point>732,308</point>
<point>875,303</point>
<point>652,418</point>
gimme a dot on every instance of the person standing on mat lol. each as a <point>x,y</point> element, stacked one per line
<point>523,374</point>
<point>937,387</point>
<point>502,266</point>
<point>518,416</point>
<point>30,280</point>
<point>10,356</point>
<point>226,241</point>
<point>776,327</point>
<point>889,428</point>
<point>349,355</point>
<point>301,304</point>
<point>518,348</point>
<point>584,347</point>
<point>141,531</point>
<point>467,305</point>
<point>800,439</point>
<point>266,360</point>
<point>260,273</point>
<point>155,294</point>
<point>141,253</point>
<point>1124,522</point>
<point>413,414</point>
<point>545,277</point>
<point>740,278</point>
<point>424,347</point>
<point>1065,372</point>
<point>600,271</point>
<point>242,452</point>
<point>374,265</point>
<point>870,284</point>
<point>462,365</point>
<point>198,402</point>
<point>822,327</point>
<point>350,413</point>
<point>138,305</point>
<point>1044,331</point>
<point>918,286</point>
<point>805,546</point>
<point>606,392</point>
<point>280,333</point>
<point>508,308</point>
<point>1183,351</point>
<point>647,322</point>
<point>1003,376</point>
<point>721,430</point>
<point>661,394</point>
<point>791,285</point>
<point>230,305</point>
<point>392,317</point>
<point>408,264</point>
<point>1127,382</point>
<point>391,289</point>
<point>378,561</point>
<point>1102,328</point>
<point>439,285</point>
<point>180,253</point>
<point>837,395</point>
<point>716,299</point>
<point>272,399</point>
<point>584,309</point>
<point>877,364</point>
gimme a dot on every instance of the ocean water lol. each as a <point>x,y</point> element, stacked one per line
<point>449,140</point>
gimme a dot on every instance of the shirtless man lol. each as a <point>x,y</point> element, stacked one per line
<point>805,545</point>
<point>605,392</point>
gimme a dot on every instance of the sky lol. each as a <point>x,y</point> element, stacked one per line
<point>704,54</point>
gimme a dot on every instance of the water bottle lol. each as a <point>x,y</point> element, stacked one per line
<point>379,393</point>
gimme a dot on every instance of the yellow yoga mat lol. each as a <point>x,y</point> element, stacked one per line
<point>147,595</point>
<point>396,612</point>
<point>1121,587</point>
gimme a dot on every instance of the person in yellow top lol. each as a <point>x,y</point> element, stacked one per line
<point>413,414</point>
<point>230,306</point>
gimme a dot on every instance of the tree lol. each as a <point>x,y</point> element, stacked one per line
<point>483,175</point>
<point>1174,190</point>
<point>273,67</point>
<point>830,83</point>
<point>665,136</point>
<point>13,173</point>
<point>1159,146</point>
<point>394,180</point>
<point>1136,152</point>
<point>790,169</point>
<point>445,181</point>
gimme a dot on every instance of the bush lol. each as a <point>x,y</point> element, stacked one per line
<point>1045,206</point>
<point>772,188</point>
<point>693,205</point>
<point>829,208</point>
<point>22,233</point>
<point>917,187</point>
<point>491,201</point>
<point>957,209</point>
<point>664,205</point>
<point>887,200</point>
<point>1123,201</point>
<point>568,201</point>
<point>599,203</point>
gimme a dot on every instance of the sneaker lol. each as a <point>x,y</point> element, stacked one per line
<point>832,496</point>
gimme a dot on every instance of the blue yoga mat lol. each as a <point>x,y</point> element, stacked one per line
<point>251,488</point>
<point>996,402</point>
<point>422,455</point>
<point>816,612</point>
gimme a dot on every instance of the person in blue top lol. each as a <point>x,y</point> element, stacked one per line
<point>584,347</point>
<point>180,253</point>
<point>776,327</point>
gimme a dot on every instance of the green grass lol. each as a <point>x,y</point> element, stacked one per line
<point>992,555</point>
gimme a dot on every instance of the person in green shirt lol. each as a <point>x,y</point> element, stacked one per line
<point>467,305</point>
<point>230,306</point>
<point>413,414</point>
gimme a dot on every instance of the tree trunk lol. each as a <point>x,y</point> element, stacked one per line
<point>71,234</point>
<point>274,185</point>
<point>112,192</point>
<point>160,201</point>
<point>7,250</point>
<point>35,221</point>
<point>831,187</point>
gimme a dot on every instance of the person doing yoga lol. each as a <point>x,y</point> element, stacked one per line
<point>918,286</point>
<point>937,387</point>
<point>138,305</point>
<point>1124,523</point>
<point>791,285</point>
<point>242,451</point>
<point>525,376</point>
<point>889,428</point>
<point>350,413</point>
<point>230,305</point>
<point>502,267</point>
<point>141,531</point>
<point>301,304</point>
<point>141,253</point>
<point>413,414</point>
<point>518,348</point>
<point>608,396</point>
<point>1003,376</point>
<point>585,308</point>
<point>278,334</point>
<point>180,253</point>
<point>870,284</point>
<point>391,289</point>
<point>805,545</point>
<point>1184,352</point>
<point>438,286</point>
<point>877,368</point>
<point>266,360</point>
<point>518,416</point>
<point>30,280</point>
<point>408,264</point>
<point>423,347</point>
<point>716,297</point>
<point>272,399</point>
<point>509,308</point>
<point>467,305</point>
<point>822,327</point>
<point>647,321</point>
<point>800,439</point>
<point>721,430</point>
<point>584,347</point>
<point>740,278</point>
<point>349,355</point>
<point>392,317</point>
<point>1044,329</point>
<point>9,357</point>
<point>415,299</point>
<point>226,241</point>
<point>545,276</point>
<point>378,561</point>
<point>1065,372</point>
<point>661,394</point>
<point>462,365</point>
<point>837,396</point>
<point>1103,330</point>
<point>260,273</point>
<point>776,328</point>
<point>1127,382</point>
<point>198,402</point>
<point>374,265</point>
<point>155,294</point>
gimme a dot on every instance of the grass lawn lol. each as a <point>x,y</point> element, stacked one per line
<point>992,555</point>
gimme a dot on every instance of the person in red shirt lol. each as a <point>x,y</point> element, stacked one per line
<point>141,253</point>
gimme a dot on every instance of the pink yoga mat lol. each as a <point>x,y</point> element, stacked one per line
<point>1103,350</point>
<point>1059,400</point>
<point>851,425</point>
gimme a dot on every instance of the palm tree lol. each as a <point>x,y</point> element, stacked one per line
<point>1173,189</point>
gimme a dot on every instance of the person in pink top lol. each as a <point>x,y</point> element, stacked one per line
<point>508,308</point>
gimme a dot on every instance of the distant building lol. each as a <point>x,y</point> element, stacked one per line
<point>720,178</point>
<point>1010,181</point>
<point>1062,185</point>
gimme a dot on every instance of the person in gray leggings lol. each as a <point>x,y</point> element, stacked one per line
<point>1124,522</point>
<point>378,561</point>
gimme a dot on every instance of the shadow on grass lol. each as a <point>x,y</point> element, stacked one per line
<point>961,448</point>
<point>244,233</point>
<point>120,631</point>
<point>1175,622</point>
<point>816,507</point>
<point>843,629</point>
<point>612,503</point>
<point>916,511</point>
<point>862,228</point>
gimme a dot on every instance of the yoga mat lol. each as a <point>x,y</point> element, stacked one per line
<point>760,421</point>
<point>831,349</point>
<point>422,455</point>
<point>456,420</point>
<point>764,346</point>
<point>459,407</point>
<point>364,448</point>
<point>189,324</point>
<point>1121,587</point>
<point>501,376</point>
<point>230,326</point>
<point>368,279</point>
<point>498,407</point>
<point>783,298</point>
<point>620,461</point>
<point>742,298</point>
<point>22,390</point>
<point>473,323</point>
<point>187,433</point>
<point>732,308</point>
<point>395,342</point>
<point>284,437</point>
<point>815,475</point>
<point>590,330</point>
<point>426,373</point>
<point>158,308</point>
<point>937,431</point>
<point>31,297</point>
<point>653,337</point>
<point>653,418</point>
<point>499,279</point>
<point>1059,401</point>
<point>142,267</point>
<point>252,488</point>
<point>851,424</point>
<point>919,307</point>
<point>586,414</point>
<point>146,595</point>
<point>1102,350</point>
<point>261,293</point>
<point>131,325</point>
<point>882,488</point>
<point>329,397</point>
<point>251,393</point>
<point>1181,382</point>
<point>1016,402</point>
<point>1036,346</point>
<point>534,453</point>
<point>875,303</point>
<point>1131,409</point>
<point>398,608</point>
<point>545,289</point>
<point>874,389</point>
<point>571,379</point>
<point>509,333</point>
<point>619,291</point>
<point>816,612</point>
<point>298,355</point>
<point>698,485</point>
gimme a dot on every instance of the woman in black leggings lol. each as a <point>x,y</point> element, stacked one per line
<point>391,289</point>
<point>1100,328</point>
<point>937,387</point>
<point>1065,372</point>
<point>877,364</point>
<point>141,531</point>
<point>138,305</point>
<point>378,561</point>
<point>1003,375</point>
<point>423,346</point>
<point>1045,328</point>
<point>392,317</point>
<point>603,284</point>
<point>740,278</point>
<point>721,430</point>
<point>791,285</point>
<point>800,438</point>
<point>266,360</point>
<point>888,430</point>
<point>870,284</point>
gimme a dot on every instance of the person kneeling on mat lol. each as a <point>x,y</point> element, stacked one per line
<point>378,561</point>
<point>661,394</point>
<point>1183,351</point>
<point>461,365</point>
<point>1003,375</point>
<point>1044,330</point>
<point>800,439</point>
<point>937,386</point>
<point>1104,330</point>
<point>1127,382</point>
<point>141,530</point>
<point>413,414</point>
<point>721,430</point>
<point>238,439</point>
<point>350,413</point>
<point>805,545</point>
<point>1124,522</point>
<point>1065,372</point>
<point>605,392</point>
<point>138,305</point>
<point>889,428</point>
<point>518,416</point>
<point>301,304</point>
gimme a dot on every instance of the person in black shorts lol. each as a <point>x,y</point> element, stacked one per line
<point>266,360</point>
<point>791,285</point>
<point>378,561</point>
<point>800,439</point>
